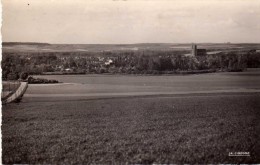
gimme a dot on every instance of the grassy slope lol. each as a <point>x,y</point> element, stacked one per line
<point>197,129</point>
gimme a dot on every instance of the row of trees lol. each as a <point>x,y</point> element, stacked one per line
<point>223,61</point>
<point>127,62</point>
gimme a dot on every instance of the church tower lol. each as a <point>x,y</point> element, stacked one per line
<point>194,50</point>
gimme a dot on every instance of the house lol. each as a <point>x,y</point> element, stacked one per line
<point>68,70</point>
<point>109,62</point>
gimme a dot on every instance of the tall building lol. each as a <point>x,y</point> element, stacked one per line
<point>194,50</point>
<point>197,52</point>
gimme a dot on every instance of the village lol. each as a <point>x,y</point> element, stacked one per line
<point>195,60</point>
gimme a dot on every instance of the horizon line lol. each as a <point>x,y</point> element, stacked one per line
<point>32,42</point>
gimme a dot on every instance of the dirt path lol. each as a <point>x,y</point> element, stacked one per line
<point>18,93</point>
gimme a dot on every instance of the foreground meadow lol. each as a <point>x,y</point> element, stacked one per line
<point>190,128</point>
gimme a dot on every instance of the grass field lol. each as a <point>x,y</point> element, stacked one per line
<point>94,84</point>
<point>201,128</point>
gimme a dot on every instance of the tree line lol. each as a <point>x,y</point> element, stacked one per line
<point>128,62</point>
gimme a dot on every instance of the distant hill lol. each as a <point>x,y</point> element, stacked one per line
<point>46,47</point>
<point>23,43</point>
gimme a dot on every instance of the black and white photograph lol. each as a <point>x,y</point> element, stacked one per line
<point>130,82</point>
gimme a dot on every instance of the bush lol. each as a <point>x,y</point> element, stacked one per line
<point>32,80</point>
<point>13,76</point>
<point>24,75</point>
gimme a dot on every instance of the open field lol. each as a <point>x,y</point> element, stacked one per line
<point>41,47</point>
<point>135,119</point>
<point>86,85</point>
<point>180,129</point>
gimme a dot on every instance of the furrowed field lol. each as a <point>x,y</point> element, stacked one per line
<point>186,119</point>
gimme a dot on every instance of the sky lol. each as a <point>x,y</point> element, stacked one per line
<point>131,21</point>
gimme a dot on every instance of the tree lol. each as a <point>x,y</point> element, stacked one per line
<point>71,62</point>
<point>166,64</point>
<point>142,63</point>
<point>13,76</point>
<point>24,75</point>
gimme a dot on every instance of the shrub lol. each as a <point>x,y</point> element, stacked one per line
<point>13,76</point>
<point>24,75</point>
